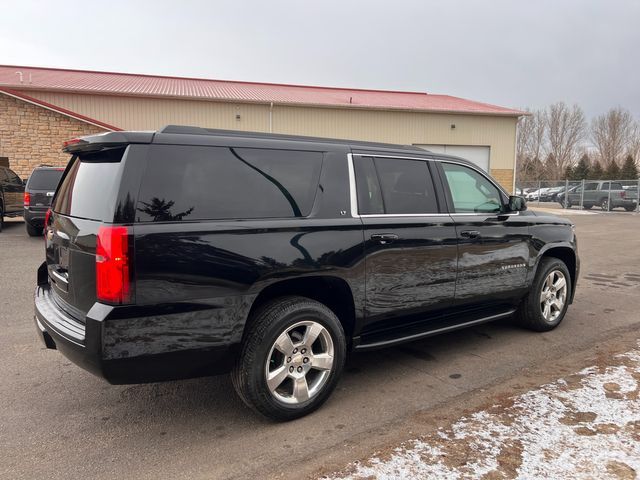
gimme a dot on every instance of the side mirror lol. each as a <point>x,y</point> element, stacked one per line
<point>517,204</point>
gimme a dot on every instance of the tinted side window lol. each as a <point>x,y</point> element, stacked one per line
<point>205,183</point>
<point>407,187</point>
<point>368,187</point>
<point>591,186</point>
<point>3,175</point>
<point>470,191</point>
<point>13,176</point>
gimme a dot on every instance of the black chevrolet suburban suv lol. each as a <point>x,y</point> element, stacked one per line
<point>187,252</point>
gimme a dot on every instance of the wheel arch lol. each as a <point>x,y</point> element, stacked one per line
<point>334,292</point>
<point>568,255</point>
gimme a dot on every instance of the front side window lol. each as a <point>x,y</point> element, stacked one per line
<point>470,191</point>
<point>209,183</point>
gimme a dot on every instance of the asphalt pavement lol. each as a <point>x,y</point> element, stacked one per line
<point>58,421</point>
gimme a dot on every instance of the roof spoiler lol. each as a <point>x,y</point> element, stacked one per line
<point>101,141</point>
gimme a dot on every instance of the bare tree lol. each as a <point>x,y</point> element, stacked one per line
<point>634,143</point>
<point>530,145</point>
<point>566,128</point>
<point>612,135</point>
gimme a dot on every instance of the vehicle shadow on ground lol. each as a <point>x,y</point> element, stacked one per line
<point>209,404</point>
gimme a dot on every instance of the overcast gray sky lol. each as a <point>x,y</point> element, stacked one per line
<point>512,53</point>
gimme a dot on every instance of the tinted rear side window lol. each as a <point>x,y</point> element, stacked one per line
<point>407,187</point>
<point>207,183</point>
<point>88,183</point>
<point>44,179</point>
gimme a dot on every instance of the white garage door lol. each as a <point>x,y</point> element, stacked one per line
<point>473,153</point>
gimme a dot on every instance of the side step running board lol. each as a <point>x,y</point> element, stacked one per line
<point>429,333</point>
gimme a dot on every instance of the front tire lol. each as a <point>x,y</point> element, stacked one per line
<point>291,359</point>
<point>546,304</point>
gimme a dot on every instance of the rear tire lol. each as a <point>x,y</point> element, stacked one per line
<point>546,303</point>
<point>604,205</point>
<point>33,231</point>
<point>588,206</point>
<point>629,209</point>
<point>291,359</point>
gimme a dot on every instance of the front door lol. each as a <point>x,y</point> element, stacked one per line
<point>493,247</point>
<point>410,244</point>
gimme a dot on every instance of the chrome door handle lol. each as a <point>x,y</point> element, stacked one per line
<point>384,238</point>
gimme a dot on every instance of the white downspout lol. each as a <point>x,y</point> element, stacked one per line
<point>271,117</point>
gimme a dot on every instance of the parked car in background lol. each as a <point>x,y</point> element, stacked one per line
<point>188,251</point>
<point>603,193</point>
<point>552,194</point>
<point>11,193</point>
<point>38,193</point>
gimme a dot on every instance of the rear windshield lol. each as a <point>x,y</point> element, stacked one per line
<point>85,188</point>
<point>44,179</point>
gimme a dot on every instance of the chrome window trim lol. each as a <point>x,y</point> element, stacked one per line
<point>353,195</point>
<point>404,215</point>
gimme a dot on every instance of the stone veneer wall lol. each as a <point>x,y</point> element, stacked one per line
<point>32,135</point>
<point>504,176</point>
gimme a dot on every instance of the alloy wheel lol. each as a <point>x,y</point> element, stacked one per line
<point>299,362</point>
<point>553,296</point>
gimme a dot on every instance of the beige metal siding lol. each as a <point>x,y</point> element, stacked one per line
<point>135,113</point>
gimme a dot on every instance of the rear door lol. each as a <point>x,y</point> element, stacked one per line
<point>493,247</point>
<point>13,191</point>
<point>410,243</point>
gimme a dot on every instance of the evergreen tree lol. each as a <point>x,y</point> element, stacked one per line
<point>597,172</point>
<point>629,169</point>
<point>582,169</point>
<point>568,172</point>
<point>613,171</point>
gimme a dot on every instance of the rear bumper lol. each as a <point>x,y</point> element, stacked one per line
<point>95,344</point>
<point>35,217</point>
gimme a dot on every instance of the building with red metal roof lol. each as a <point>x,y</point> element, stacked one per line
<point>97,101</point>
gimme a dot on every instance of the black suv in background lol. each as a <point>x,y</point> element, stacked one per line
<point>11,193</point>
<point>38,193</point>
<point>188,252</point>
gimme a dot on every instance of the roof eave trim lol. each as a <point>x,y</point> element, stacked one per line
<point>60,110</point>
<point>508,113</point>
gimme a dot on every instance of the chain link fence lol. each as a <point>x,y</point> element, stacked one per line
<point>604,195</point>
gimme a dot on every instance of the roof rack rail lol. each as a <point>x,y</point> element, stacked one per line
<point>188,130</point>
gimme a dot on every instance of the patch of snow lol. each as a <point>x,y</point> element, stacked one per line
<point>586,425</point>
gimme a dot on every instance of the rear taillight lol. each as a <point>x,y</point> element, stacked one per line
<point>113,265</point>
<point>47,217</point>
<point>623,194</point>
<point>27,199</point>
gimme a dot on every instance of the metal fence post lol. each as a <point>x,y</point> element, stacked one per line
<point>609,197</point>
<point>638,197</point>
<point>539,187</point>
<point>582,196</point>
<point>566,193</point>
